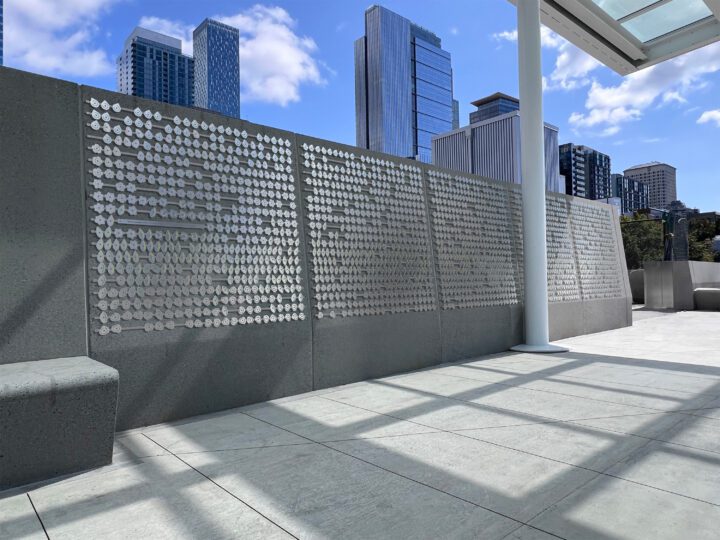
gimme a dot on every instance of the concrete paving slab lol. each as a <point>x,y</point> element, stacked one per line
<point>557,406</point>
<point>135,446</point>
<point>18,519</point>
<point>611,508</point>
<point>677,469</point>
<point>652,426</point>
<point>324,420</point>
<point>158,498</point>
<point>315,492</point>
<point>660,399</point>
<point>220,431</point>
<point>695,432</point>
<point>433,411</point>
<point>512,483</point>
<point>570,443</point>
<point>528,533</point>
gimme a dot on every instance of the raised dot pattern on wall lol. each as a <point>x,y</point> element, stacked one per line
<point>596,248</point>
<point>563,283</point>
<point>192,225</point>
<point>369,250</point>
<point>476,265</point>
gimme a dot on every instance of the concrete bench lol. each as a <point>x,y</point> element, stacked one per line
<point>56,417</point>
<point>707,299</point>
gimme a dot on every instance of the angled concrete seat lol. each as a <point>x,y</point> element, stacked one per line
<point>707,299</point>
<point>56,417</point>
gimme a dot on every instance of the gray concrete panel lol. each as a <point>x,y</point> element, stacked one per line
<point>42,274</point>
<point>476,331</point>
<point>224,360</point>
<point>58,418</point>
<point>353,349</point>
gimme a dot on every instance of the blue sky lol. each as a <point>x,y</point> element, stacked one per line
<point>297,71</point>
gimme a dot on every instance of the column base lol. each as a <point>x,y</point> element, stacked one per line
<point>547,348</point>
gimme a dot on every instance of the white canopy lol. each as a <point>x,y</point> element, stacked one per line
<point>628,35</point>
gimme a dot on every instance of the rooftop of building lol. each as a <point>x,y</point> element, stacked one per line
<point>649,164</point>
<point>157,37</point>
<point>497,118</point>
<point>213,22</point>
<point>494,97</point>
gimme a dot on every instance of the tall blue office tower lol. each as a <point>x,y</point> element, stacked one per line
<point>152,66</point>
<point>403,86</point>
<point>216,49</point>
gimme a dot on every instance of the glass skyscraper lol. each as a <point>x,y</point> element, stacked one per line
<point>492,106</point>
<point>403,86</point>
<point>216,49</point>
<point>152,66</point>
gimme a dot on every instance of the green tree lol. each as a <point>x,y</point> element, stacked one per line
<point>700,236</point>
<point>643,240</point>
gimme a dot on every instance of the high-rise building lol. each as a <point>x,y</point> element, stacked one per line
<point>494,105</point>
<point>660,179</point>
<point>455,114</point>
<point>572,167</point>
<point>152,66</point>
<point>492,149</point>
<point>633,194</point>
<point>403,86</point>
<point>586,171</point>
<point>216,49</point>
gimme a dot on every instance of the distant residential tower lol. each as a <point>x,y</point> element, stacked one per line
<point>586,172</point>
<point>660,179</point>
<point>403,86</point>
<point>633,194</point>
<point>216,49</point>
<point>152,66</point>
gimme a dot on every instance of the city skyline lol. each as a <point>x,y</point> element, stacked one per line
<point>666,113</point>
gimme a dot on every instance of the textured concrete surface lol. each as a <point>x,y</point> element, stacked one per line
<point>618,438</point>
<point>56,417</point>
<point>42,219</point>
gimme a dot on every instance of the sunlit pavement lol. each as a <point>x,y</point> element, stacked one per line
<point>619,438</point>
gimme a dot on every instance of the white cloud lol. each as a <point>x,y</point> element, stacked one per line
<point>572,65</point>
<point>454,30</point>
<point>710,116</point>
<point>174,29</point>
<point>274,61</point>
<point>54,37</point>
<point>608,107</point>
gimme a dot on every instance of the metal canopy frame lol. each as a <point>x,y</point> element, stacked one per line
<point>641,33</point>
<point>611,41</point>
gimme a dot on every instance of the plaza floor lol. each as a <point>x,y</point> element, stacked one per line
<point>619,438</point>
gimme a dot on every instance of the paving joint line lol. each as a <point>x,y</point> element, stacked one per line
<point>398,474</point>
<point>37,514</point>
<point>598,472</point>
<point>557,393</point>
<point>224,489</point>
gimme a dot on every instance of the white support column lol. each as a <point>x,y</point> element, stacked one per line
<point>532,158</point>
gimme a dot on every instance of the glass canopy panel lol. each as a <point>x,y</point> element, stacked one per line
<point>618,9</point>
<point>667,18</point>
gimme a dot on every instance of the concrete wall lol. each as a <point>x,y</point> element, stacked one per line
<point>670,284</point>
<point>230,263</point>
<point>42,220</point>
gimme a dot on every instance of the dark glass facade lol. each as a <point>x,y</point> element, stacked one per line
<point>152,66</point>
<point>403,86</point>
<point>586,172</point>
<point>634,195</point>
<point>493,106</point>
<point>216,49</point>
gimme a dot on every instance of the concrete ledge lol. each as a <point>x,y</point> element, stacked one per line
<point>707,299</point>
<point>56,417</point>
